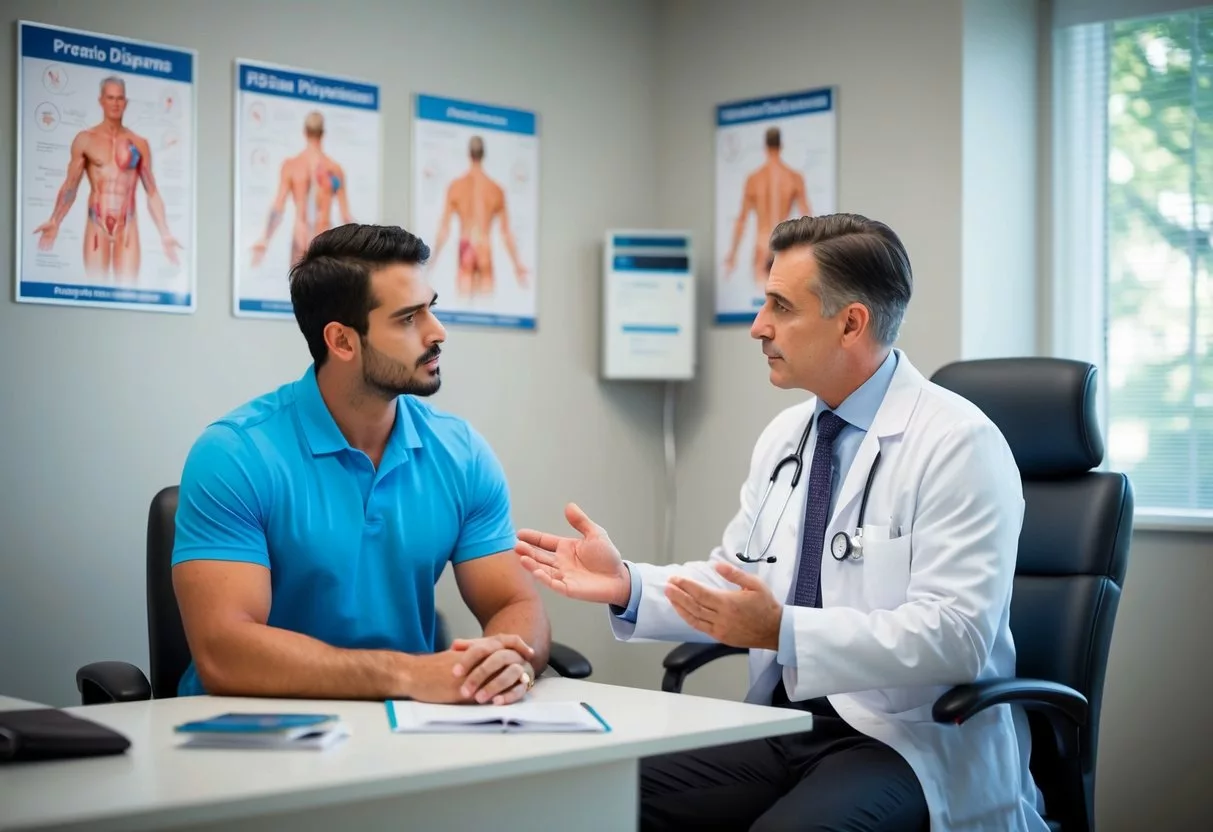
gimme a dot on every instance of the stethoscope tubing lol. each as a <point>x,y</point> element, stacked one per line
<point>797,461</point>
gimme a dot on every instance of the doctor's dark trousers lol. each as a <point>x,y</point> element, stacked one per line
<point>831,778</point>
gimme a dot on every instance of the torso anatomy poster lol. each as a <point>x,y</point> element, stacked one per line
<point>106,171</point>
<point>308,158</point>
<point>476,203</point>
<point>776,158</point>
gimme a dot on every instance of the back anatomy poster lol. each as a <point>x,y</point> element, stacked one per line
<point>307,149</point>
<point>776,158</point>
<point>476,202</point>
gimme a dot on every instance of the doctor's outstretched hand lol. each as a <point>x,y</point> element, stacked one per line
<point>589,569</point>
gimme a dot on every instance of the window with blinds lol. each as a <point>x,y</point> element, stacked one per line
<point>1133,218</point>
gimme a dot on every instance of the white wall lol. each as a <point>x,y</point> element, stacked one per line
<point>1153,767</point>
<point>999,178</point>
<point>100,406</point>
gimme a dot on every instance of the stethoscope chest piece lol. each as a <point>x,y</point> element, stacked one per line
<point>843,546</point>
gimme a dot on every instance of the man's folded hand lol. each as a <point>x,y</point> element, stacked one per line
<point>495,668</point>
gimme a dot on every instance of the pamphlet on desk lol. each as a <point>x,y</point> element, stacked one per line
<point>266,731</point>
<point>406,716</point>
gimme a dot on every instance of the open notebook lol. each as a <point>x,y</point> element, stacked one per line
<point>557,717</point>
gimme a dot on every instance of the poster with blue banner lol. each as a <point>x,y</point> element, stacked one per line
<point>776,158</point>
<point>106,171</point>
<point>476,203</point>
<point>307,151</point>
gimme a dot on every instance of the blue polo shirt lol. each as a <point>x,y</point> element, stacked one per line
<point>353,552</point>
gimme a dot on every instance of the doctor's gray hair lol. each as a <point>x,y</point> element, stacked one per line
<point>858,261</point>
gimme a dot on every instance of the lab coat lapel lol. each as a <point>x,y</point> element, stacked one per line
<point>891,419</point>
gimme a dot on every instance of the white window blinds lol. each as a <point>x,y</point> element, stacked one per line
<point>1133,218</point>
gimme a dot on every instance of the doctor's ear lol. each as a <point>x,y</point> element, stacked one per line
<point>855,321</point>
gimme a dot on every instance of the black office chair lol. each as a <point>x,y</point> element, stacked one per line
<point>114,681</point>
<point>1073,553</point>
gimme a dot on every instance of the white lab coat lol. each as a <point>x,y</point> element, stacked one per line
<point>919,613</point>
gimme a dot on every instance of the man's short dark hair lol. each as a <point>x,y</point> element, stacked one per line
<point>858,261</point>
<point>773,138</point>
<point>332,281</point>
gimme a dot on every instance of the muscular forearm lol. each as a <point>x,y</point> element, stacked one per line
<point>527,620</point>
<point>251,659</point>
<point>63,202</point>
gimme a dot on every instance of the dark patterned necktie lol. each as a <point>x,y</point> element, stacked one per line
<point>817,511</point>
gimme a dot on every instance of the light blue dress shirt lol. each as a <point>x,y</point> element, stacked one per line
<point>857,410</point>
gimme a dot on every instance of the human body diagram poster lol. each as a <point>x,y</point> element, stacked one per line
<point>106,171</point>
<point>776,158</point>
<point>308,158</point>
<point>476,203</point>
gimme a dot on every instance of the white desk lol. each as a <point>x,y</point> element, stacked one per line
<point>11,703</point>
<point>376,779</point>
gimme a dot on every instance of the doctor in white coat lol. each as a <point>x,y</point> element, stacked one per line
<point>864,590</point>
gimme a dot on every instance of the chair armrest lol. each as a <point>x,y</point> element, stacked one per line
<point>965,701</point>
<point>687,658</point>
<point>568,662</point>
<point>102,682</point>
<point>1063,707</point>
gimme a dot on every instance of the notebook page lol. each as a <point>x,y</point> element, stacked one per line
<point>413,716</point>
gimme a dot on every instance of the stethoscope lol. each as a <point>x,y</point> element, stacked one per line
<point>842,545</point>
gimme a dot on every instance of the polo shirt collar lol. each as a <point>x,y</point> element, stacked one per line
<point>321,431</point>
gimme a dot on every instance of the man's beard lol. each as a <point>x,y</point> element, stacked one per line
<point>390,378</point>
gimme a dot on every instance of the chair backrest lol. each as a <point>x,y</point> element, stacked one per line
<point>168,650</point>
<point>1074,546</point>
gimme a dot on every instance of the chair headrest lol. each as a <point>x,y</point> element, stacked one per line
<point>1045,407</point>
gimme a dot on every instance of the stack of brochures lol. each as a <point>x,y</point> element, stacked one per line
<point>552,717</point>
<point>268,731</point>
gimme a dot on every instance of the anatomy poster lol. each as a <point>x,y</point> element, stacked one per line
<point>106,173</point>
<point>307,150</point>
<point>776,158</point>
<point>476,203</point>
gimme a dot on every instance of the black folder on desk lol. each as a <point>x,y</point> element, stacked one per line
<point>52,734</point>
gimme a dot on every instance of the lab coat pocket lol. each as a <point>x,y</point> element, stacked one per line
<point>886,572</point>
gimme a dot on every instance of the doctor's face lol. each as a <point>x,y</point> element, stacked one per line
<point>801,347</point>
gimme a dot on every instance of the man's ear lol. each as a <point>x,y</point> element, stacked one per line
<point>856,319</point>
<point>342,342</point>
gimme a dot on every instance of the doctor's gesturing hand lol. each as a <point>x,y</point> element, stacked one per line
<point>591,569</point>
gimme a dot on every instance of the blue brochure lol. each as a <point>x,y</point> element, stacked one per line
<point>256,723</point>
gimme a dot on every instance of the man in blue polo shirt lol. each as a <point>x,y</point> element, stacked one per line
<point>314,521</point>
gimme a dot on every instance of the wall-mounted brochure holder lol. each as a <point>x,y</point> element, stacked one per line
<point>648,306</point>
